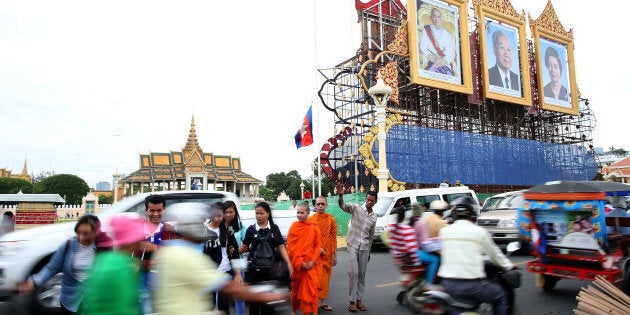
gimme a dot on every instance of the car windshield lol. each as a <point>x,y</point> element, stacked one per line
<point>491,203</point>
<point>510,202</point>
<point>382,203</point>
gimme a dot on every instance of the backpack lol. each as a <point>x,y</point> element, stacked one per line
<point>264,256</point>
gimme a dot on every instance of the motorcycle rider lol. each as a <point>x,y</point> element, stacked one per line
<point>462,267</point>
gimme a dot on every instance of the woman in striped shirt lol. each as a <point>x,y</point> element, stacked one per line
<point>403,242</point>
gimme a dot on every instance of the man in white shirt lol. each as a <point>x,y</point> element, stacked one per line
<point>462,267</point>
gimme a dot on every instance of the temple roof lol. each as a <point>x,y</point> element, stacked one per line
<point>17,198</point>
<point>161,166</point>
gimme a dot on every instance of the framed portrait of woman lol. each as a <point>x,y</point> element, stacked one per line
<point>439,44</point>
<point>505,67</point>
<point>555,68</point>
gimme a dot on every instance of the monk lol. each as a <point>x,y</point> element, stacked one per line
<point>303,246</point>
<point>328,253</point>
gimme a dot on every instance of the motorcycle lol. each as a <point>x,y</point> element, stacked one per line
<point>439,302</point>
<point>275,307</point>
<point>411,280</point>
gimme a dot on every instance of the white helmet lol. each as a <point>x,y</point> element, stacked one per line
<point>439,205</point>
<point>187,218</point>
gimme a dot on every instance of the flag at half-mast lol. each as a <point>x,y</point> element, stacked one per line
<point>304,135</point>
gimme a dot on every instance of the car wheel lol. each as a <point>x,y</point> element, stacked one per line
<point>45,300</point>
<point>550,283</point>
<point>526,248</point>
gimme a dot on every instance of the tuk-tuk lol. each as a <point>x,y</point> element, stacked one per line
<point>566,224</point>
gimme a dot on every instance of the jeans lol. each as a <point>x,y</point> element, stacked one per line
<point>433,261</point>
<point>478,290</point>
<point>240,304</point>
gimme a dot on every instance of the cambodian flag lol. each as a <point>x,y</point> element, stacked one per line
<point>304,135</point>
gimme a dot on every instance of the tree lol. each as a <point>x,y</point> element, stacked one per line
<point>9,185</point>
<point>71,187</point>
<point>105,200</point>
<point>266,193</point>
<point>278,182</point>
<point>41,176</point>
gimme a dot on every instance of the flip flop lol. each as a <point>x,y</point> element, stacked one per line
<point>326,308</point>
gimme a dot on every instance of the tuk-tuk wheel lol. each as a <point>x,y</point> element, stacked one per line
<point>550,282</point>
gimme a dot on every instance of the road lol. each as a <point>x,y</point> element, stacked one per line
<point>382,287</point>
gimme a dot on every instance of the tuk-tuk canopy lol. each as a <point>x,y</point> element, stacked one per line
<point>576,190</point>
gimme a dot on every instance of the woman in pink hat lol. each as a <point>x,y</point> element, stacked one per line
<point>112,287</point>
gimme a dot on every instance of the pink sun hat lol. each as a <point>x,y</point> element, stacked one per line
<point>128,228</point>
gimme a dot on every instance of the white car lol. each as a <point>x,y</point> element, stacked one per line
<point>498,217</point>
<point>25,252</point>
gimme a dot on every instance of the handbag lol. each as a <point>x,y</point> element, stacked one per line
<point>279,270</point>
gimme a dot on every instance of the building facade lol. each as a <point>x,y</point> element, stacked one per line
<point>188,169</point>
<point>24,175</point>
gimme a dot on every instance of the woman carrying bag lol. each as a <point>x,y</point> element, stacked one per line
<point>267,232</point>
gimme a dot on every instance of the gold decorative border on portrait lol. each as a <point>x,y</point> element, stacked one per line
<point>504,12</point>
<point>464,42</point>
<point>548,25</point>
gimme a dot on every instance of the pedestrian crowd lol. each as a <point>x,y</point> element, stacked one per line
<point>193,258</point>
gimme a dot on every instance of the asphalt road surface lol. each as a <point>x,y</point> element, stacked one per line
<point>382,286</point>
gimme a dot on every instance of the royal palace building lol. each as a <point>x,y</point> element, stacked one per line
<point>188,169</point>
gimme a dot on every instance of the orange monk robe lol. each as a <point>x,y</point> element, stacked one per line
<point>303,245</point>
<point>328,228</point>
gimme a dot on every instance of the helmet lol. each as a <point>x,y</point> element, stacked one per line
<point>464,207</point>
<point>187,219</point>
<point>439,205</point>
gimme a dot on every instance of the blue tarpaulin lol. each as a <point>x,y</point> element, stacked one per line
<point>425,155</point>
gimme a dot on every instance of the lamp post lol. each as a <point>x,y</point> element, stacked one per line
<point>302,188</point>
<point>380,93</point>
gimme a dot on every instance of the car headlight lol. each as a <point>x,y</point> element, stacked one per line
<point>11,248</point>
<point>507,223</point>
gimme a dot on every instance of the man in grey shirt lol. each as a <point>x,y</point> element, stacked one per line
<point>359,241</point>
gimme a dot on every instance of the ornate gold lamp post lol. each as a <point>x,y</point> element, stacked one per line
<point>380,92</point>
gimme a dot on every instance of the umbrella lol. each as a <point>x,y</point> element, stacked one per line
<point>610,188</point>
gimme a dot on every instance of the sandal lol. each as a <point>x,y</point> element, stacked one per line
<point>352,307</point>
<point>325,307</point>
<point>361,306</point>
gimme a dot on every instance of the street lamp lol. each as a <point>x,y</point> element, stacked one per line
<point>380,93</point>
<point>302,188</point>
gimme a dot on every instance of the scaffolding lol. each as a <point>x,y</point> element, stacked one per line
<point>444,134</point>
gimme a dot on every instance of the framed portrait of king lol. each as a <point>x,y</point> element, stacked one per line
<point>439,45</point>
<point>505,66</point>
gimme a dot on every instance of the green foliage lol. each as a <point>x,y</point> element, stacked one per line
<point>266,193</point>
<point>43,174</point>
<point>10,185</point>
<point>70,187</point>
<point>278,182</point>
<point>105,200</point>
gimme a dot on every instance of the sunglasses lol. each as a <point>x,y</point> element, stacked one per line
<point>320,204</point>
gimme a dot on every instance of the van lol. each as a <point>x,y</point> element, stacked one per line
<point>388,200</point>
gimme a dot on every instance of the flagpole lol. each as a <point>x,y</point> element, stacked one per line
<point>317,147</point>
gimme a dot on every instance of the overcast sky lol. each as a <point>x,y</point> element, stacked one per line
<point>85,86</point>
